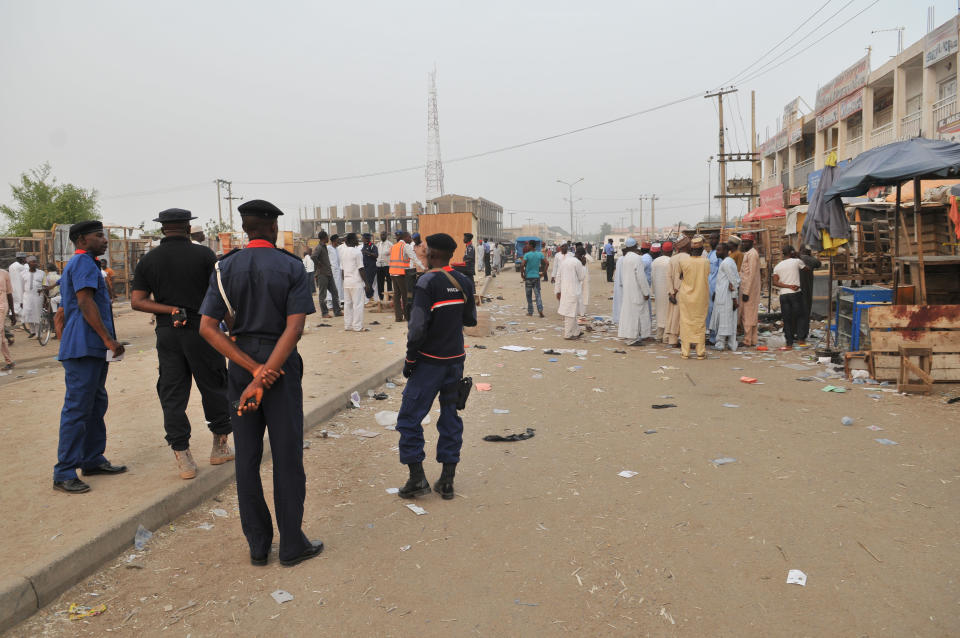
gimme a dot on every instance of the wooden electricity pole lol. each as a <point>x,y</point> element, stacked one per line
<point>722,159</point>
<point>755,172</point>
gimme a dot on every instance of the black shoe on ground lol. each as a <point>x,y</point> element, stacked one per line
<point>71,486</point>
<point>314,550</point>
<point>444,489</point>
<point>415,486</point>
<point>106,468</point>
<point>258,561</point>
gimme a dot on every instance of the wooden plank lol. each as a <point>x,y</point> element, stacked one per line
<point>936,340</point>
<point>892,360</point>
<point>951,375</point>
<point>915,317</point>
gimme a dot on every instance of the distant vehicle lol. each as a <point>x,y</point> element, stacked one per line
<point>518,245</point>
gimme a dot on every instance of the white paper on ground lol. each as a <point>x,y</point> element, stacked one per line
<point>282,596</point>
<point>796,577</point>
<point>393,490</point>
<point>515,348</point>
<point>723,460</point>
<point>386,417</point>
<point>366,433</point>
<point>416,509</point>
<point>627,473</point>
<point>355,399</point>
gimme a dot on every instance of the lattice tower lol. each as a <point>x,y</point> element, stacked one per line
<point>434,170</point>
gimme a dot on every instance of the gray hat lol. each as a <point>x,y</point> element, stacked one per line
<point>19,255</point>
<point>733,239</point>
<point>174,215</point>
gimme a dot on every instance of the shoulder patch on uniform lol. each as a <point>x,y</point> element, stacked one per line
<point>288,254</point>
<point>222,257</point>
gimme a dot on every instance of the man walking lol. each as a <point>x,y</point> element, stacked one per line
<point>265,290</point>
<point>532,263</point>
<point>443,303</point>
<point>334,253</point>
<point>634,320</point>
<point>31,280</point>
<point>608,252</point>
<point>750,290</point>
<point>176,274</point>
<point>325,282</point>
<point>786,277</point>
<point>369,253</point>
<point>569,287</point>
<point>15,270</point>
<point>487,256</point>
<point>693,299</point>
<point>310,268</point>
<point>88,341</point>
<point>558,261</point>
<point>671,335</point>
<point>384,282</point>
<point>660,273</point>
<point>723,321</point>
<point>351,263</point>
<point>806,287</point>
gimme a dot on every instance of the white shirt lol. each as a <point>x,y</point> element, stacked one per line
<point>351,261</point>
<point>383,252</point>
<point>308,263</point>
<point>788,271</point>
<point>412,256</point>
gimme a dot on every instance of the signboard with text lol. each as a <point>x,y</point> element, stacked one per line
<point>791,110</point>
<point>940,42</point>
<point>795,134</point>
<point>772,197</point>
<point>853,78</point>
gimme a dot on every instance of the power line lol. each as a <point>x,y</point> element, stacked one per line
<point>159,191</point>
<point>773,48</point>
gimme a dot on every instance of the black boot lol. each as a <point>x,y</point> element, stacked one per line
<point>444,485</point>
<point>417,484</point>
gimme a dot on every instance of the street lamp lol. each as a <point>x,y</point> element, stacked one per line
<point>570,199</point>
<point>709,189</point>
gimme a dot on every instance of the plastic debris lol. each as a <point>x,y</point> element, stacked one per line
<point>516,348</point>
<point>537,376</point>
<point>355,399</point>
<point>875,428</point>
<point>517,601</point>
<point>662,406</point>
<point>386,417</point>
<point>405,548</point>
<point>78,612</point>
<point>416,509</point>
<point>142,536</point>
<point>306,443</point>
<point>747,380</point>
<point>367,434</point>
<point>886,442</point>
<point>796,577</point>
<point>206,526</point>
<point>627,473</point>
<point>523,436</point>
<point>599,390</point>
<point>833,388</point>
<point>499,411</point>
<point>846,420</point>
<point>389,385</point>
<point>649,431</point>
<point>219,512</point>
<point>380,396</point>
<point>553,360</point>
<point>730,405</point>
<point>724,460</point>
<point>281,596</point>
<point>393,490</point>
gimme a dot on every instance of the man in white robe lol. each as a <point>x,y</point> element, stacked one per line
<point>332,250</point>
<point>723,321</point>
<point>569,287</point>
<point>660,274</point>
<point>557,260</point>
<point>16,270</point>
<point>30,281</point>
<point>617,293</point>
<point>635,312</point>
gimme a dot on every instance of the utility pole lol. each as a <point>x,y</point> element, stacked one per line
<point>219,204</point>
<point>631,211</point>
<point>653,223</point>
<point>511,219</point>
<point>722,159</point>
<point>709,195</point>
<point>755,173</point>
<point>570,199</point>
<point>641,216</point>
<point>230,199</point>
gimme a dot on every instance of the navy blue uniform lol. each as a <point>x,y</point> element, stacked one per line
<point>435,343</point>
<point>265,285</point>
<point>370,254</point>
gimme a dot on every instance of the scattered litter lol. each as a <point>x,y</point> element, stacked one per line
<point>537,376</point>
<point>627,474</point>
<point>306,443</point>
<point>833,388</point>
<point>806,378</point>
<point>846,420</point>
<point>355,399</point>
<point>730,405</point>
<point>823,360</point>
<point>78,612</point>
<point>206,526</point>
<point>380,396</point>
<point>762,348</point>
<point>484,387</point>
<point>795,366</point>
<point>574,368</point>
<point>876,397</point>
<point>219,512</point>
<point>860,374</point>
<point>748,380</point>
<point>386,417</point>
<point>875,428</point>
<point>393,490</point>
<point>32,371</point>
<point>953,400</point>
<point>661,406</point>
<point>282,596</point>
<point>516,348</point>
<point>553,360</point>
<point>723,460</point>
<point>522,436</point>
<point>479,347</point>
<point>416,509</point>
<point>55,536</point>
<point>405,548</point>
<point>142,536</point>
<point>499,411</point>
<point>886,442</point>
<point>619,352</point>
<point>367,434</point>
<point>796,577</point>
<point>517,602</point>
<point>649,431</point>
<point>389,385</point>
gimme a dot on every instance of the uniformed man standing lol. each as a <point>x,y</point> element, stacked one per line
<point>176,274</point>
<point>443,303</point>
<point>469,255</point>
<point>88,335</point>
<point>265,291</point>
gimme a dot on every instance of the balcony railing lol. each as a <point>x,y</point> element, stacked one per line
<point>910,126</point>
<point>854,147</point>
<point>800,172</point>
<point>944,108</point>
<point>769,181</point>
<point>881,135</point>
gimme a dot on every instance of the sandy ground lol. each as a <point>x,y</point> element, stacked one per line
<point>545,538</point>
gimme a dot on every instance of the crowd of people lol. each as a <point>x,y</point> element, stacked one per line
<point>23,286</point>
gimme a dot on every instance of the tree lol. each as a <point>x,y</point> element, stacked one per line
<point>39,203</point>
<point>213,229</point>
<point>605,229</point>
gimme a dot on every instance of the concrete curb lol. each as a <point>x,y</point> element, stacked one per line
<point>22,595</point>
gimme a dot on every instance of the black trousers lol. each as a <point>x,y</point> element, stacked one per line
<point>807,294</point>
<point>486,264</point>
<point>611,264</point>
<point>384,280</point>
<point>369,278</point>
<point>325,283</point>
<point>281,415</point>
<point>400,310</point>
<point>791,306</point>
<point>183,354</point>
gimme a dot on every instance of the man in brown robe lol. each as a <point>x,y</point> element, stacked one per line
<point>671,335</point>
<point>749,289</point>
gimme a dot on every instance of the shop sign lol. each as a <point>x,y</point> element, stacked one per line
<point>772,197</point>
<point>940,42</point>
<point>853,78</point>
<point>850,105</point>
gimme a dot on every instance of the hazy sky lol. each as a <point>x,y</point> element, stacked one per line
<point>132,97</point>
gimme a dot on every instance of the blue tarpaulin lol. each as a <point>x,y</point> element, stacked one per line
<point>895,163</point>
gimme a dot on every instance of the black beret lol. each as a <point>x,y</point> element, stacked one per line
<point>467,236</point>
<point>442,241</point>
<point>85,228</point>
<point>174,215</point>
<point>367,235</point>
<point>259,208</point>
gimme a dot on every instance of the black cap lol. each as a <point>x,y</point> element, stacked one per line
<point>85,228</point>
<point>174,215</point>
<point>467,236</point>
<point>367,235</point>
<point>442,241</point>
<point>259,208</point>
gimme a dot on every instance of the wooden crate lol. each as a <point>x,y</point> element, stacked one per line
<point>934,327</point>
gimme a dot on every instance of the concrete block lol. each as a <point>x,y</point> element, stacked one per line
<point>17,601</point>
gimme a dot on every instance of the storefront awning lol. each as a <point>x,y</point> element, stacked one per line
<point>764,212</point>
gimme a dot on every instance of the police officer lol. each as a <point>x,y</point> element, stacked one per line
<point>443,303</point>
<point>263,294</point>
<point>176,274</point>
<point>469,255</point>
<point>87,336</point>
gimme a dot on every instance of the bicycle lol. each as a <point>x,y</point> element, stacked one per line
<point>45,327</point>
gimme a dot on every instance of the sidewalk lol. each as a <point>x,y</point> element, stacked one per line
<point>55,539</point>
